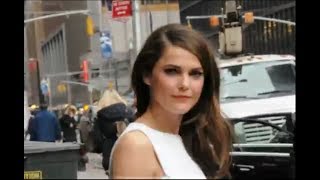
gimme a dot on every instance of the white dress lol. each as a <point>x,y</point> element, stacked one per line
<point>171,152</point>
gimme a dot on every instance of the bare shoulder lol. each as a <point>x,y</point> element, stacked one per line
<point>134,156</point>
<point>134,139</point>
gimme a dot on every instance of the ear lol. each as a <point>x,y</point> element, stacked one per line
<point>146,79</point>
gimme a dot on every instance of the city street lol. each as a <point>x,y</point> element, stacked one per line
<point>94,168</point>
<point>84,68</point>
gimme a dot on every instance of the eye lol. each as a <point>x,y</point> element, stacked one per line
<point>196,73</point>
<point>171,71</point>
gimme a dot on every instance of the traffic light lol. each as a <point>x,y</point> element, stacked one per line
<point>214,21</point>
<point>85,69</point>
<point>90,26</point>
<point>248,17</point>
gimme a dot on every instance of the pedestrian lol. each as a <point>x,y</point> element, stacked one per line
<point>69,124</point>
<point>44,126</point>
<point>85,126</point>
<point>33,113</point>
<point>109,124</point>
<point>179,131</point>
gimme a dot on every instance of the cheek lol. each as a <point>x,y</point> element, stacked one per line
<point>197,87</point>
<point>163,84</point>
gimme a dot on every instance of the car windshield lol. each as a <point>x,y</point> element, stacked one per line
<point>257,80</point>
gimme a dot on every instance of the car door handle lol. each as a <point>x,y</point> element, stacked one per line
<point>243,167</point>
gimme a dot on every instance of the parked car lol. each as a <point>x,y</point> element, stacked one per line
<point>258,96</point>
<point>256,85</point>
<point>272,159</point>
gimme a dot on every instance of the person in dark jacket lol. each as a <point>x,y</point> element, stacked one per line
<point>44,126</point>
<point>69,124</point>
<point>109,124</point>
<point>33,114</point>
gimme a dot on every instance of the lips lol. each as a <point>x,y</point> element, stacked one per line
<point>182,97</point>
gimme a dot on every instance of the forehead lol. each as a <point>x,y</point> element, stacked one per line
<point>180,57</point>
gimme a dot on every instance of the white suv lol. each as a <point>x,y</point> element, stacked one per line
<point>259,87</point>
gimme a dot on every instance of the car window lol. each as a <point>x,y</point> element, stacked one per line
<point>257,80</point>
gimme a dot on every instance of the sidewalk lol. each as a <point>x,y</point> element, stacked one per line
<point>94,168</point>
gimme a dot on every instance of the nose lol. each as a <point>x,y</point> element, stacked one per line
<point>184,82</point>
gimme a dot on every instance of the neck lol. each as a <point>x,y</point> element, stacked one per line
<point>162,120</point>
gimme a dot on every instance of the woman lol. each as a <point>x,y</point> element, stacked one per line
<point>68,124</point>
<point>179,131</point>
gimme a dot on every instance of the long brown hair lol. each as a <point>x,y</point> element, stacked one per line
<point>206,135</point>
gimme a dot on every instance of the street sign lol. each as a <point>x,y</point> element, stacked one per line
<point>121,8</point>
<point>33,175</point>
<point>106,45</point>
<point>44,87</point>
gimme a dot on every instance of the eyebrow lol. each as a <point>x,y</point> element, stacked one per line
<point>179,67</point>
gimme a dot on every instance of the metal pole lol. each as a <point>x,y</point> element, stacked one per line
<point>57,15</point>
<point>256,154</point>
<point>115,66</point>
<point>74,73</point>
<point>90,86</point>
<point>255,17</point>
<point>167,12</point>
<point>50,92</point>
<point>41,97</point>
<point>282,145</point>
<point>90,97</point>
<point>113,63</point>
<point>136,29</point>
<point>275,20</point>
<point>75,82</point>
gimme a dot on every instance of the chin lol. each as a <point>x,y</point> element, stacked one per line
<point>180,109</point>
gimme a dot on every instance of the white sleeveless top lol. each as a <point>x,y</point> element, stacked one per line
<point>170,150</point>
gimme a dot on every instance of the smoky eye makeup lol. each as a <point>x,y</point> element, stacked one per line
<point>174,70</point>
<point>196,73</point>
<point>171,71</point>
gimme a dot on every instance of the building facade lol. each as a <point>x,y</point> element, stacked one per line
<point>261,37</point>
<point>61,44</point>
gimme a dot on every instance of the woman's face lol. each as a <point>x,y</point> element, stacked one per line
<point>176,81</point>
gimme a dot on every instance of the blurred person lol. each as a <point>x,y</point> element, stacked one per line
<point>79,114</point>
<point>179,131</point>
<point>109,124</point>
<point>90,113</point>
<point>44,126</point>
<point>33,112</point>
<point>85,125</point>
<point>109,97</point>
<point>69,124</point>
